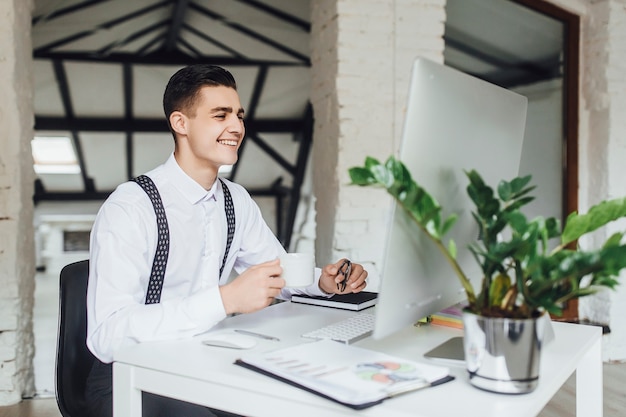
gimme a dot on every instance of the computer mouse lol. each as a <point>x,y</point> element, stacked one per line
<point>230,340</point>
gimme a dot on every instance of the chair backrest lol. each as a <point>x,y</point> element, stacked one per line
<point>73,359</point>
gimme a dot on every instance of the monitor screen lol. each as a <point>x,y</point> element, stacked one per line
<point>454,122</point>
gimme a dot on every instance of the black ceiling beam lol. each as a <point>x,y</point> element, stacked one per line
<point>106,25</point>
<point>64,91</point>
<point>211,40</point>
<point>515,77</point>
<point>102,52</point>
<point>128,116</point>
<point>306,140</point>
<point>143,50</point>
<point>302,24</point>
<point>289,167</point>
<point>476,48</point>
<point>190,48</point>
<point>520,76</point>
<point>71,196</point>
<point>480,55</point>
<point>252,34</point>
<point>522,81</point>
<point>67,10</point>
<point>259,83</point>
<point>162,58</point>
<point>462,42</point>
<point>178,17</point>
<point>116,124</point>
<point>277,186</point>
<point>103,195</point>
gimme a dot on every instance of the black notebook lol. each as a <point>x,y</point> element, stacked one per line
<point>355,301</point>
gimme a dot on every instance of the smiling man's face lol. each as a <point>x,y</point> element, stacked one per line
<point>215,130</point>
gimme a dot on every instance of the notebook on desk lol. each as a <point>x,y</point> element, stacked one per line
<point>355,377</point>
<point>354,301</point>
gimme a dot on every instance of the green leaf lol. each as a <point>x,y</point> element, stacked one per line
<point>499,287</point>
<point>413,197</point>
<point>447,225</point>
<point>598,216</point>
<point>361,176</point>
<point>552,225</point>
<point>524,192</point>
<point>371,162</point>
<point>518,203</point>
<point>518,184</point>
<point>614,240</point>
<point>382,175</point>
<point>517,221</point>
<point>504,190</point>
<point>452,248</point>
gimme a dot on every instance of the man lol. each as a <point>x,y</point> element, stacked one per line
<point>196,250</point>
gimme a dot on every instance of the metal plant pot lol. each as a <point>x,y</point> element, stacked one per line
<point>503,355</point>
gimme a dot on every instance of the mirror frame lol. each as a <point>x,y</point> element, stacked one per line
<point>571,92</point>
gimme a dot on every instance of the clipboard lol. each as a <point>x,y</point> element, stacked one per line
<point>346,374</point>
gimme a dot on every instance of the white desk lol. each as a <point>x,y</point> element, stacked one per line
<point>192,372</point>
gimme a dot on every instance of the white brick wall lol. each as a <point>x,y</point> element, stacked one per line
<point>616,186</point>
<point>603,146</point>
<point>362,52</point>
<point>17,267</point>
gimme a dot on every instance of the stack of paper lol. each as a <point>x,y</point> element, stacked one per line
<point>450,317</point>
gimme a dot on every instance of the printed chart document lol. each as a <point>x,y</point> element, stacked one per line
<point>354,301</point>
<point>350,375</point>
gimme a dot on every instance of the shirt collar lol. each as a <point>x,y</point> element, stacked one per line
<point>186,185</point>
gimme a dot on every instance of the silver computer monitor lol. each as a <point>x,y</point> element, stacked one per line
<point>454,122</point>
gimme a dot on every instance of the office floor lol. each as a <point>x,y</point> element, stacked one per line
<point>44,404</point>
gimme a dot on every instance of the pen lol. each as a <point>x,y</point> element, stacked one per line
<point>262,336</point>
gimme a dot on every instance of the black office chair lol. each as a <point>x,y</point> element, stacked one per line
<point>73,360</point>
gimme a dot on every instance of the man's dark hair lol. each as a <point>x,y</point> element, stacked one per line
<point>184,86</point>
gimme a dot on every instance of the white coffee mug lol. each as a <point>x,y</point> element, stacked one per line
<point>298,269</point>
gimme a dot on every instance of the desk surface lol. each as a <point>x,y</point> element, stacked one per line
<point>206,375</point>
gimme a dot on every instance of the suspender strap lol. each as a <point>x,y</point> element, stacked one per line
<point>157,274</point>
<point>229,209</point>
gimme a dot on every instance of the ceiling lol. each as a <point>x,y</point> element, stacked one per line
<point>100,68</point>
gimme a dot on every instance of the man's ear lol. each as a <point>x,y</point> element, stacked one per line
<point>178,121</point>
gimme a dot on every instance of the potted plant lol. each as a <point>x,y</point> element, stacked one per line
<point>523,277</point>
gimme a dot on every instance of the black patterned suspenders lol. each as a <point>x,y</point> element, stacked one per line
<point>229,209</point>
<point>157,274</point>
<point>153,295</point>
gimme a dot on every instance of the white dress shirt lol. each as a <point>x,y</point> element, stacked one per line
<point>123,244</point>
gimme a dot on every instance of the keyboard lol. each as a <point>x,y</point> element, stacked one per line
<point>346,331</point>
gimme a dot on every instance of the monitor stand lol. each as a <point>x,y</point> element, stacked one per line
<point>450,351</point>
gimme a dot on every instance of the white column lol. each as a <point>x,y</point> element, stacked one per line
<point>603,148</point>
<point>17,248</point>
<point>361,56</point>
